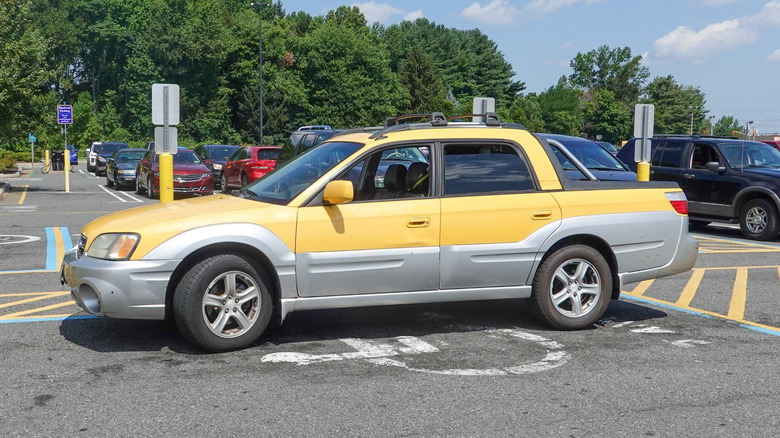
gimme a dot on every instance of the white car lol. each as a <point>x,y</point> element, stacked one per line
<point>92,154</point>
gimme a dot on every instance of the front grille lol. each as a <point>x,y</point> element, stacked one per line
<point>187,178</point>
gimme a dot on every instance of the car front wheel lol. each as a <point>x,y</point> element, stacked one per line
<point>223,183</point>
<point>150,188</point>
<point>758,220</point>
<point>572,288</point>
<point>223,303</point>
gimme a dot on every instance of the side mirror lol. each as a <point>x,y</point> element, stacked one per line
<point>714,166</point>
<point>338,192</point>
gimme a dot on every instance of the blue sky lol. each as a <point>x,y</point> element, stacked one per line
<point>730,49</point>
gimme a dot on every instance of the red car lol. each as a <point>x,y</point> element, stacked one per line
<point>776,144</point>
<point>190,174</point>
<point>248,164</point>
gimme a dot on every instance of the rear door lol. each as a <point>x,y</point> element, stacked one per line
<point>493,217</point>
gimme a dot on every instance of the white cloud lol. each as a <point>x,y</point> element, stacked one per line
<point>685,42</point>
<point>411,16</point>
<point>717,2</point>
<point>495,12</point>
<point>544,7</point>
<point>768,15</point>
<point>775,56</point>
<point>383,12</point>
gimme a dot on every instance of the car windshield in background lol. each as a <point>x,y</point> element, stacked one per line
<point>222,153</point>
<point>128,156</point>
<point>594,158</point>
<point>182,157</point>
<point>288,181</point>
<point>110,148</point>
<point>742,154</point>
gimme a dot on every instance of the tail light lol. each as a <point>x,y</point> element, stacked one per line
<point>264,165</point>
<point>679,202</point>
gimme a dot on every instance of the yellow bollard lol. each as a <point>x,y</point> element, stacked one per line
<point>166,178</point>
<point>47,161</point>
<point>67,170</point>
<point>643,171</point>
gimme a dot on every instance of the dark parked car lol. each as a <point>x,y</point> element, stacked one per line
<point>121,167</point>
<point>305,138</point>
<point>190,174</point>
<point>600,163</point>
<point>247,165</point>
<point>608,146</point>
<point>74,155</point>
<point>725,179</point>
<point>104,151</point>
<point>215,156</point>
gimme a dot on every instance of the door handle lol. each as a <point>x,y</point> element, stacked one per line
<point>418,222</point>
<point>689,176</point>
<point>541,214</point>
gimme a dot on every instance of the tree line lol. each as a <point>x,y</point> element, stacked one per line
<point>102,57</point>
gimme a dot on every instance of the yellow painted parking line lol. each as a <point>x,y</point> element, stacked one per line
<point>36,310</point>
<point>738,295</point>
<point>24,194</point>
<point>641,288</point>
<point>690,288</point>
<point>38,297</point>
<point>714,245</point>
<point>769,328</point>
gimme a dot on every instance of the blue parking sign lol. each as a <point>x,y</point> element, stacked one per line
<point>65,114</point>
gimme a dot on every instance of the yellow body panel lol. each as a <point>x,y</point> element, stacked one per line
<point>591,202</point>
<point>369,225</point>
<point>495,219</point>
<point>159,222</point>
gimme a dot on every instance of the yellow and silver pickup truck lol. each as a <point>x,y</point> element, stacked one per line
<point>412,213</point>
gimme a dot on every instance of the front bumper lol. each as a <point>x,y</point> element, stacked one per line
<point>132,289</point>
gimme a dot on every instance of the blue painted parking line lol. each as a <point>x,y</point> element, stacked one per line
<point>57,242</point>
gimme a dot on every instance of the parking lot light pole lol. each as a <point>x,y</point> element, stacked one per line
<point>260,66</point>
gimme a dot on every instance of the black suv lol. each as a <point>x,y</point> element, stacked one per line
<point>305,138</point>
<point>725,179</point>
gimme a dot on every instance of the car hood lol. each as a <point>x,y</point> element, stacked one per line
<point>766,171</point>
<point>190,168</point>
<point>157,223</point>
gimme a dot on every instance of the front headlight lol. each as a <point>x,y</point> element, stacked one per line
<point>114,246</point>
<point>205,175</point>
<point>101,159</point>
<point>217,166</point>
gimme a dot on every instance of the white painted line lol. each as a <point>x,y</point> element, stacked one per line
<point>6,239</point>
<point>116,195</point>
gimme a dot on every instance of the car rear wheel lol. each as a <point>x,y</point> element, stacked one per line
<point>244,181</point>
<point>138,189</point>
<point>223,303</point>
<point>758,220</point>
<point>109,183</point>
<point>150,188</point>
<point>572,288</point>
<point>223,183</point>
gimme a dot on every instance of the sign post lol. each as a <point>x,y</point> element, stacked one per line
<point>165,112</point>
<point>644,119</point>
<point>32,152</point>
<point>65,118</point>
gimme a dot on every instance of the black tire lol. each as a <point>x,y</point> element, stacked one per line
<point>758,220</point>
<point>150,188</point>
<point>572,288</point>
<point>222,285</point>
<point>223,183</point>
<point>244,180</point>
<point>109,183</point>
<point>698,224</point>
<point>138,189</point>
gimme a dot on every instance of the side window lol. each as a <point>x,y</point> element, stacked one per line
<point>400,172</point>
<point>668,154</point>
<point>701,155</point>
<point>484,168</point>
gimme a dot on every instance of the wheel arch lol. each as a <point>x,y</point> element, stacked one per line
<point>751,193</point>
<point>249,253</point>
<point>594,242</point>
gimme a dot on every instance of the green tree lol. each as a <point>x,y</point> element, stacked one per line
<point>613,69</point>
<point>23,70</point>
<point>728,126</point>
<point>419,76</point>
<point>560,108</point>
<point>678,108</point>
<point>605,116</point>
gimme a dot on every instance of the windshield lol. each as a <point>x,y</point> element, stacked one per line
<point>289,180</point>
<point>109,148</point>
<point>591,155</point>
<point>222,153</point>
<point>130,156</point>
<point>741,154</point>
<point>182,157</point>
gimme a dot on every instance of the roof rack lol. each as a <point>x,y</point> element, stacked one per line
<point>438,120</point>
<point>691,136</point>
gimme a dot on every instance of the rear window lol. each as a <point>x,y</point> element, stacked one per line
<point>267,154</point>
<point>668,154</point>
<point>484,168</point>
